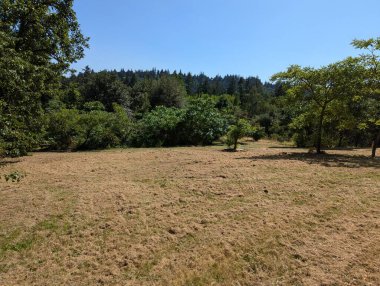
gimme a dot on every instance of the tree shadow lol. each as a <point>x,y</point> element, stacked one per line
<point>327,160</point>
<point>5,162</point>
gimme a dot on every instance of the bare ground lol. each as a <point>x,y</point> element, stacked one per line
<point>191,216</point>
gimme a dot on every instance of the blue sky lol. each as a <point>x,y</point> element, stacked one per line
<point>244,37</point>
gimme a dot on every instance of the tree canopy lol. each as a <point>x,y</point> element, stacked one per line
<point>38,42</point>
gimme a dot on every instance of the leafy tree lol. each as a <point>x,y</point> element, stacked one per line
<point>121,124</point>
<point>315,91</point>
<point>202,122</point>
<point>140,98</point>
<point>106,88</point>
<point>371,92</point>
<point>63,129</point>
<point>239,130</point>
<point>38,41</point>
<point>158,127</point>
<point>97,130</point>
<point>70,129</point>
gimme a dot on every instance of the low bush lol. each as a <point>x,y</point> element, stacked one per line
<point>240,129</point>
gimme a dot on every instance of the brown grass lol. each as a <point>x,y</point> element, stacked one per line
<point>191,216</point>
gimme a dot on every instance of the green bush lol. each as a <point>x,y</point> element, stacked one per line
<point>158,127</point>
<point>63,130</point>
<point>198,123</point>
<point>72,129</point>
<point>240,129</point>
<point>257,132</point>
<point>96,129</point>
<point>202,122</point>
<point>121,124</point>
<point>15,176</point>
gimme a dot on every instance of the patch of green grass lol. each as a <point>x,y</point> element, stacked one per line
<point>216,274</point>
<point>14,176</point>
<point>13,242</point>
<point>23,244</point>
<point>145,269</point>
<point>6,240</point>
<point>196,281</point>
<point>49,224</point>
<point>300,201</point>
<point>53,224</point>
<point>18,241</point>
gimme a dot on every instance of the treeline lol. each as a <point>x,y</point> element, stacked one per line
<point>150,108</point>
<point>142,90</point>
<point>41,107</point>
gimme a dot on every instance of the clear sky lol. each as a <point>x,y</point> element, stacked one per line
<point>244,37</point>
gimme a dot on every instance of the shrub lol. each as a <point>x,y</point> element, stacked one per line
<point>121,124</point>
<point>15,176</point>
<point>257,132</point>
<point>240,129</point>
<point>71,129</point>
<point>158,127</point>
<point>63,129</point>
<point>202,122</point>
<point>96,132</point>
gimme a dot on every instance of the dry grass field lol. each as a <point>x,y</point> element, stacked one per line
<point>266,215</point>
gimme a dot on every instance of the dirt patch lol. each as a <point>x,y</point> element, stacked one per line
<point>191,216</point>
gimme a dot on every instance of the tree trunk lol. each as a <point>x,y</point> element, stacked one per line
<point>375,144</point>
<point>235,144</point>
<point>319,131</point>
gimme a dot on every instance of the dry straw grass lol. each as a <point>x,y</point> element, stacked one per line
<point>191,216</point>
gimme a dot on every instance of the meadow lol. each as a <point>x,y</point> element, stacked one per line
<point>266,215</point>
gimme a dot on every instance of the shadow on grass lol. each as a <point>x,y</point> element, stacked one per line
<point>4,162</point>
<point>327,160</point>
<point>329,149</point>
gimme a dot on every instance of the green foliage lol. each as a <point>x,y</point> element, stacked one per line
<point>370,117</point>
<point>96,129</point>
<point>100,129</point>
<point>106,88</point>
<point>257,133</point>
<point>316,92</point>
<point>140,98</point>
<point>44,31</point>
<point>63,130</point>
<point>198,123</point>
<point>239,130</point>
<point>93,106</point>
<point>202,122</point>
<point>20,106</point>
<point>158,127</point>
<point>121,124</point>
<point>38,41</point>
<point>15,176</point>
<point>168,91</point>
